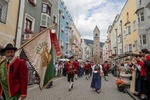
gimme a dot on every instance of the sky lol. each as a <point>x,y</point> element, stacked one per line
<point>87,14</point>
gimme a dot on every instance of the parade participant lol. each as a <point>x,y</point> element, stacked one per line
<point>77,66</point>
<point>145,53</point>
<point>97,74</point>
<point>13,75</point>
<point>70,68</point>
<point>105,69</point>
<point>87,69</point>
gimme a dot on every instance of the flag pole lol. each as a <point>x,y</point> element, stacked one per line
<point>35,37</point>
<point>30,41</point>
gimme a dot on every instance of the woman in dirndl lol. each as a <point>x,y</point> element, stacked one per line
<point>97,74</point>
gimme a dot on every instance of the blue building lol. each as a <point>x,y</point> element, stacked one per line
<point>65,30</point>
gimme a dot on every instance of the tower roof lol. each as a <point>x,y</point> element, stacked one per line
<point>96,28</point>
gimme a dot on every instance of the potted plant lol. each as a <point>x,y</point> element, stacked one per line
<point>120,85</point>
<point>28,31</point>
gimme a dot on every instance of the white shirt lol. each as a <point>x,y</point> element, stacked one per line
<point>101,69</point>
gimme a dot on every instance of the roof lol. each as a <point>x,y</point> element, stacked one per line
<point>87,41</point>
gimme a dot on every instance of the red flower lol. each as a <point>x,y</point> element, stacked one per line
<point>120,82</point>
<point>29,31</point>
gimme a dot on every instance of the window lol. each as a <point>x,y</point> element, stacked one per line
<point>128,30</point>
<point>46,8</point>
<point>96,35</point>
<point>29,24</point>
<point>140,40</point>
<point>135,45</point>
<point>54,19</point>
<point>62,13</point>
<point>3,10</point>
<point>134,25</point>
<point>67,37</point>
<point>148,12</point>
<point>67,22</point>
<point>45,20</point>
<point>119,39</point>
<point>140,3</point>
<point>144,39</point>
<point>0,12</point>
<point>61,43</point>
<point>67,46</point>
<point>62,27</point>
<point>141,17</point>
<point>130,47</point>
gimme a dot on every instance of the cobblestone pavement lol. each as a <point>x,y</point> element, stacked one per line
<point>81,91</point>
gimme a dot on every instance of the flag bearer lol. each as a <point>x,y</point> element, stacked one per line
<point>13,75</point>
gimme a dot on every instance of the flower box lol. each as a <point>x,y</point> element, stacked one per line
<point>27,31</point>
<point>121,88</point>
<point>120,85</point>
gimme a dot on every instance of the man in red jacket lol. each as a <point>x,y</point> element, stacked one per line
<point>13,75</point>
<point>145,53</point>
<point>70,68</point>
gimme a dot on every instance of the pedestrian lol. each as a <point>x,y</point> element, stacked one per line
<point>61,66</point>
<point>30,73</point>
<point>97,74</point>
<point>13,75</point>
<point>87,68</point>
<point>56,69</point>
<point>105,69</point>
<point>145,53</point>
<point>70,72</point>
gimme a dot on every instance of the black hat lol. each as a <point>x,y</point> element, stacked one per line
<point>9,46</point>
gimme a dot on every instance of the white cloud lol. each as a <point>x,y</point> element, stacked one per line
<point>89,13</point>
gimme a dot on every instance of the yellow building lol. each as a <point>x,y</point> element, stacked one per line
<point>76,42</point>
<point>128,28</point>
<point>8,21</point>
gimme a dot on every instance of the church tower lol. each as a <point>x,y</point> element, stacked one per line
<point>96,35</point>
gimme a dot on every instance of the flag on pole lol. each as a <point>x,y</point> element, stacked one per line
<point>56,43</point>
<point>39,53</point>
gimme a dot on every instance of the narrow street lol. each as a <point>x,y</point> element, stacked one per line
<point>81,91</point>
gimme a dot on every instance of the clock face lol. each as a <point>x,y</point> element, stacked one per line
<point>96,35</point>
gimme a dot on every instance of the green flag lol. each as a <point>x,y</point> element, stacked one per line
<point>49,75</point>
<point>39,53</point>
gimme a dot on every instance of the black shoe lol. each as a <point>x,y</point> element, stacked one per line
<point>98,91</point>
<point>72,86</point>
<point>69,89</point>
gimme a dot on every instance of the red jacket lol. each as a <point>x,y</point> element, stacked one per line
<point>87,66</point>
<point>143,70</point>
<point>76,65</point>
<point>17,78</point>
<point>147,57</point>
<point>70,67</point>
